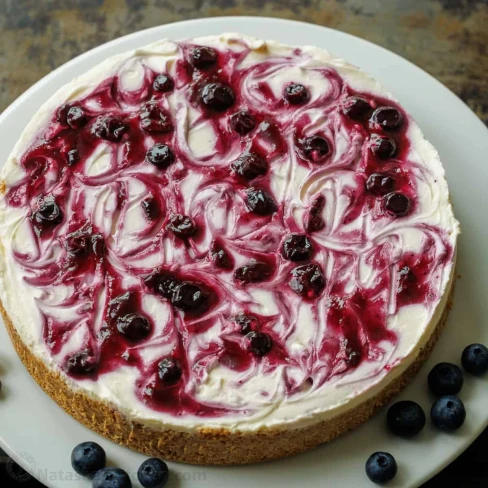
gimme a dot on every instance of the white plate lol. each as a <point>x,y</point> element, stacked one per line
<point>40,436</point>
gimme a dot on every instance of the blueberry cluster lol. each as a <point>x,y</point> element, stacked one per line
<point>89,459</point>
<point>407,418</point>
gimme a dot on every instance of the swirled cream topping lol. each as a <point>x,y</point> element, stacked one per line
<point>225,232</point>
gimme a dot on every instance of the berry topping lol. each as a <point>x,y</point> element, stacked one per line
<point>163,83</point>
<point>296,94</point>
<point>253,272</point>
<point>154,120</point>
<point>260,202</point>
<point>315,148</point>
<point>397,204</point>
<point>190,298</point>
<point>307,281</point>
<point>181,226</point>
<point>405,418</point>
<point>448,413</point>
<point>445,379</point>
<point>259,343</point>
<point>48,213</point>
<point>150,208</point>
<point>169,371</point>
<point>381,467</point>
<point>110,128</point>
<point>242,122</point>
<point>475,359</point>
<point>246,322</point>
<point>220,257</point>
<point>87,458</point>
<point>163,283</point>
<point>380,184</point>
<point>75,117</point>
<point>78,243</point>
<point>389,118</point>
<point>80,363</point>
<point>297,247</point>
<point>203,57</point>
<point>153,473</point>
<point>134,327</point>
<point>313,220</point>
<point>98,245</point>
<point>73,157</point>
<point>249,166</point>
<point>382,146</point>
<point>217,96</point>
<point>160,155</point>
<point>111,478</point>
<point>356,108</point>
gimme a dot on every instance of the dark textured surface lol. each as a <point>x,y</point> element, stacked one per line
<point>447,38</point>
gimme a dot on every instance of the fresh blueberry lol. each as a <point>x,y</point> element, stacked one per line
<point>249,166</point>
<point>220,257</point>
<point>110,128</point>
<point>169,371</point>
<point>153,473</point>
<point>75,117</point>
<point>217,96</point>
<point>296,94</point>
<point>242,122</point>
<point>87,458</point>
<point>189,297</point>
<point>356,108</point>
<point>259,343</point>
<point>111,478</point>
<point>397,204</point>
<point>80,363</point>
<point>150,208</point>
<point>253,272</point>
<point>260,202</point>
<point>48,213</point>
<point>448,413</point>
<point>203,57</point>
<point>297,247</point>
<point>134,327</point>
<point>389,118</point>
<point>405,418</point>
<point>381,467</point>
<point>382,146</point>
<point>181,226</point>
<point>445,379</point>
<point>160,155</point>
<point>475,359</point>
<point>307,281</point>
<point>246,322</point>
<point>163,83</point>
<point>315,148</point>
<point>155,120</point>
<point>73,157</point>
<point>380,184</point>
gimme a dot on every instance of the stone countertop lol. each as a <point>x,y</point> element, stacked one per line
<point>447,38</point>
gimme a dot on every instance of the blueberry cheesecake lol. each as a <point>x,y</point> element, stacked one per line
<point>224,250</point>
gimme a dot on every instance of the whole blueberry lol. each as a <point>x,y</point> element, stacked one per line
<point>296,94</point>
<point>169,371</point>
<point>445,379</point>
<point>448,413</point>
<point>111,478</point>
<point>153,473</point>
<point>163,83</point>
<point>87,458</point>
<point>405,418</point>
<point>381,467</point>
<point>259,343</point>
<point>190,297</point>
<point>217,96</point>
<point>475,359</point>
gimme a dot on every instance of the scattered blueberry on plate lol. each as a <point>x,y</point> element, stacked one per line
<point>448,413</point>
<point>87,458</point>
<point>475,359</point>
<point>153,473</point>
<point>111,478</point>
<point>445,379</point>
<point>381,467</point>
<point>405,418</point>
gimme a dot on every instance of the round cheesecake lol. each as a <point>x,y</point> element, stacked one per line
<point>224,250</point>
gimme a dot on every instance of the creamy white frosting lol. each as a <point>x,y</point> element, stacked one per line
<point>262,395</point>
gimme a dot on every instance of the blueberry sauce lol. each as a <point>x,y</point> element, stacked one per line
<point>201,257</point>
